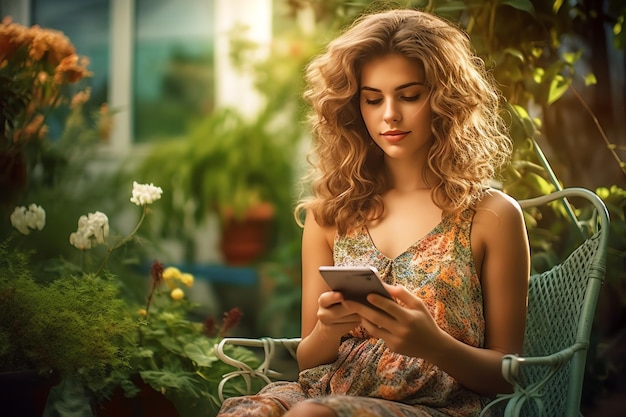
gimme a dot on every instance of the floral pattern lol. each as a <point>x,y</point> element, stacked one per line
<point>367,379</point>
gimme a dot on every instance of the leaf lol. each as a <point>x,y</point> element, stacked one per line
<point>198,353</point>
<point>515,53</point>
<point>170,380</point>
<point>171,345</point>
<point>558,86</point>
<point>145,353</point>
<point>450,7</point>
<point>537,182</point>
<point>557,6</point>
<point>68,399</point>
<point>538,74</point>
<point>523,5</point>
<point>590,79</point>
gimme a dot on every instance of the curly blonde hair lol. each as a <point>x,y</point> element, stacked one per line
<point>470,140</point>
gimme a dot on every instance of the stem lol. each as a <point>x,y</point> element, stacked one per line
<point>152,288</point>
<point>611,147</point>
<point>123,241</point>
<point>9,238</point>
<point>154,285</point>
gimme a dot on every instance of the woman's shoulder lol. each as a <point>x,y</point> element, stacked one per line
<point>497,209</point>
<point>498,201</point>
<point>316,230</point>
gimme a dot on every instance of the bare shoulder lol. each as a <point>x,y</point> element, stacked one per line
<point>499,204</point>
<point>496,213</point>
<point>314,231</point>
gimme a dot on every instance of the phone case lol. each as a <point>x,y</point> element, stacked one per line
<point>354,282</point>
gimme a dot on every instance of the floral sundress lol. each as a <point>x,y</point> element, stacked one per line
<point>367,379</point>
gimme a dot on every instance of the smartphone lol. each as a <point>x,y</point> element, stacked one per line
<point>354,282</point>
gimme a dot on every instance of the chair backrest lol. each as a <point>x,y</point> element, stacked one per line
<point>561,306</point>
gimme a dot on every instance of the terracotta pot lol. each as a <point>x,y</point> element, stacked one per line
<point>24,393</point>
<point>245,240</point>
<point>147,403</point>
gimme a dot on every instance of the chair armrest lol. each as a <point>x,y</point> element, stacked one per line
<point>263,371</point>
<point>512,366</point>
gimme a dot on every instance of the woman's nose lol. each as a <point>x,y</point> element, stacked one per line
<point>392,112</point>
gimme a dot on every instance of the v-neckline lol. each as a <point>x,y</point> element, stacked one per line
<point>435,228</point>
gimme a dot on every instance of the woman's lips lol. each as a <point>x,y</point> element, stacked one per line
<point>394,136</point>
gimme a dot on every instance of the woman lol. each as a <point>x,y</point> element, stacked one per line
<point>407,139</point>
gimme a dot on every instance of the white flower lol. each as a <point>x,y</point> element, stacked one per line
<point>99,223</point>
<point>145,194</point>
<point>80,241</point>
<point>24,219</point>
<point>93,230</point>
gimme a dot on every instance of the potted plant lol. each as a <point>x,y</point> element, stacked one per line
<point>92,344</point>
<point>37,67</point>
<point>175,354</point>
<point>240,170</point>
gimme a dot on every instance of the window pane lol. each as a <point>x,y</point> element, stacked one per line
<point>173,71</point>
<point>86,24</point>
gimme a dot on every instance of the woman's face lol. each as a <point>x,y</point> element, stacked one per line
<point>395,106</point>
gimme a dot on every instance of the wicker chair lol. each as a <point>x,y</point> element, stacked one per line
<point>548,378</point>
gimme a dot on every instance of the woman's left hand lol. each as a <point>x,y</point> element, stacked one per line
<point>406,326</point>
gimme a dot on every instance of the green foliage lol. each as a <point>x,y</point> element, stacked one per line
<point>226,164</point>
<point>176,356</point>
<point>81,328</point>
<point>75,326</point>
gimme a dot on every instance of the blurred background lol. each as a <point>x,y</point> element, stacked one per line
<point>204,98</point>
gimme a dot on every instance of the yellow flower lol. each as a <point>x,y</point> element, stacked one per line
<point>171,274</point>
<point>187,279</point>
<point>142,312</point>
<point>177,294</point>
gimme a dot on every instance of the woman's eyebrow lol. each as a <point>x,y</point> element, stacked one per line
<point>398,88</point>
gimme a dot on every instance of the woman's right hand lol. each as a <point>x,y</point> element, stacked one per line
<point>334,318</point>
<point>333,321</point>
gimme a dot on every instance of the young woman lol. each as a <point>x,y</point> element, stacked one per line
<point>407,138</point>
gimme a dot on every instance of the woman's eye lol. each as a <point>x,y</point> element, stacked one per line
<point>373,101</point>
<point>411,98</point>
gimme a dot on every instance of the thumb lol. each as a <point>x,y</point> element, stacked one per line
<point>403,296</point>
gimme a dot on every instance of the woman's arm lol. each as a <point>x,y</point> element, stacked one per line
<point>500,244</point>
<point>499,235</point>
<point>324,318</point>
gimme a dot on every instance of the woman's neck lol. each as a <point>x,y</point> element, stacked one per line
<point>409,176</point>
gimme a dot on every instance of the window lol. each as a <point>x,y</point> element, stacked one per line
<point>86,24</point>
<point>173,71</point>
<point>171,53</point>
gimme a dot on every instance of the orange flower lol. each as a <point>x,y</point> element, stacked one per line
<point>35,128</point>
<point>105,122</point>
<point>36,63</point>
<point>50,44</point>
<point>80,98</point>
<point>71,70</point>
<point>12,38</point>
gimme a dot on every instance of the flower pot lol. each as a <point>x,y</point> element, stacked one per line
<point>245,239</point>
<point>147,402</point>
<point>24,393</point>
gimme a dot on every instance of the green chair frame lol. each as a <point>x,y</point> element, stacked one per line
<point>548,377</point>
